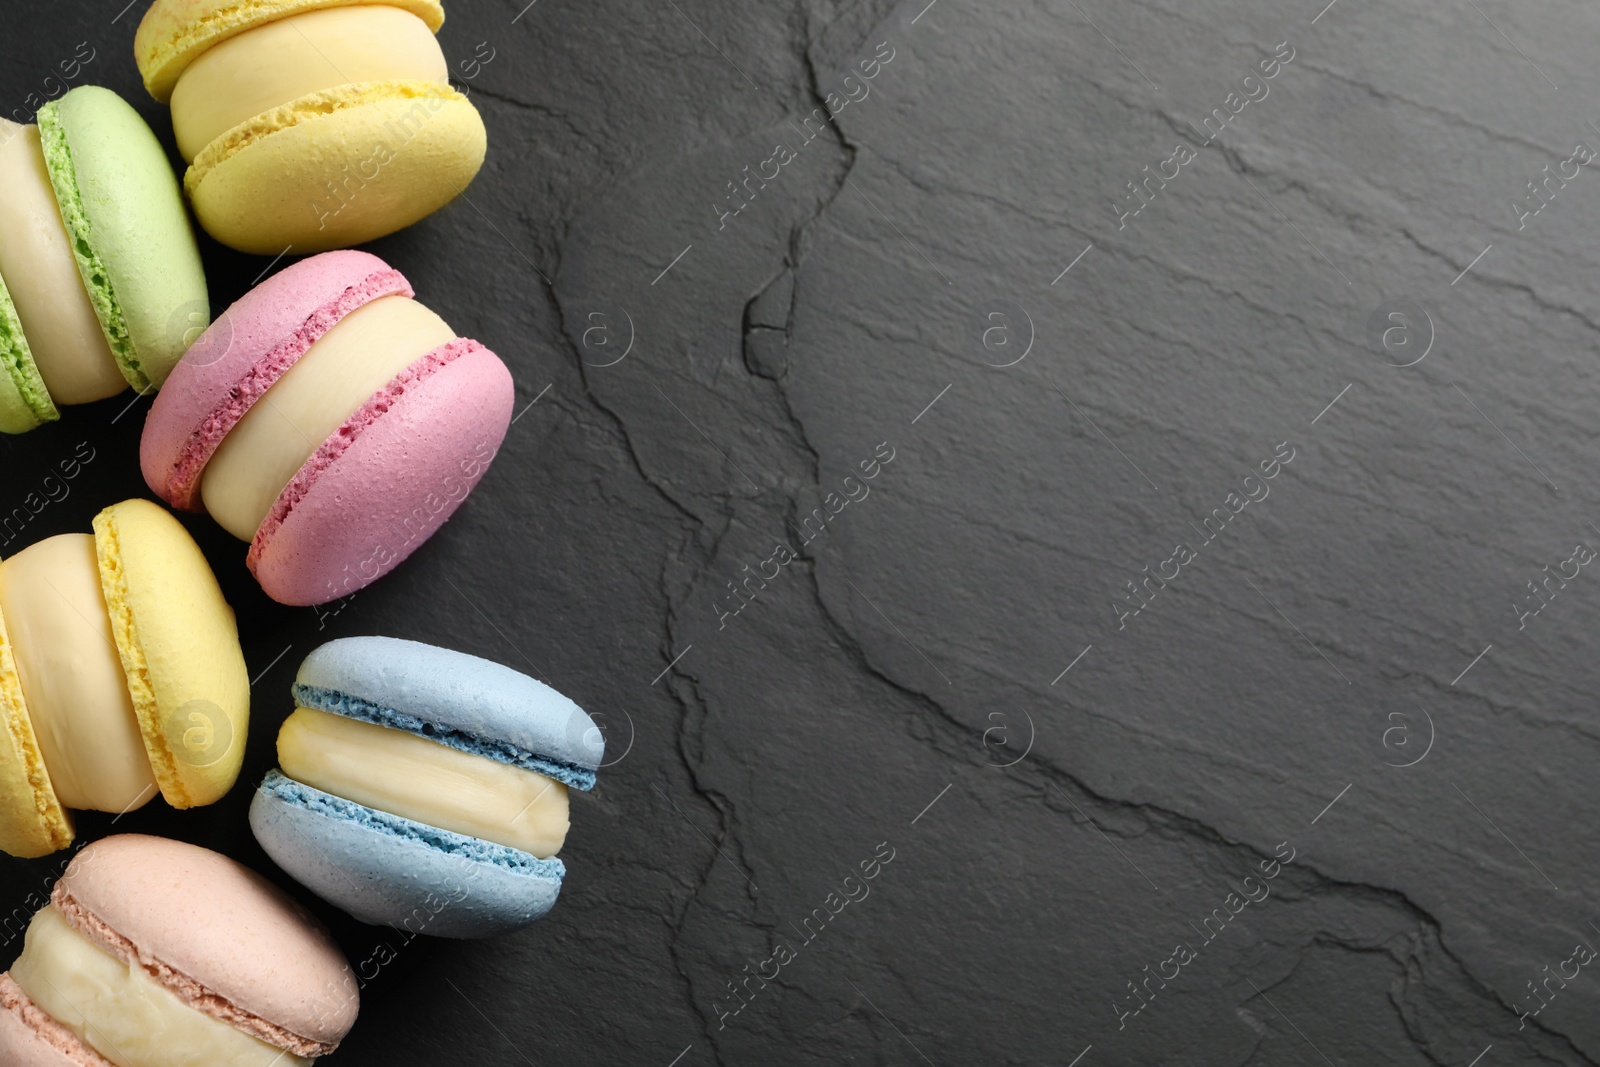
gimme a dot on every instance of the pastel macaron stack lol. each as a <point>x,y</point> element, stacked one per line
<point>424,788</point>
<point>330,420</point>
<point>121,677</point>
<point>333,422</point>
<point>100,281</point>
<point>153,953</point>
<point>310,124</point>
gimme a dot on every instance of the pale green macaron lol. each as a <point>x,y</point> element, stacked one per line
<point>131,236</point>
<point>24,401</point>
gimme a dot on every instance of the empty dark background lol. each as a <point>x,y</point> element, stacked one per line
<point>1082,823</point>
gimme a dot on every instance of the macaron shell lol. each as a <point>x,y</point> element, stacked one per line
<point>32,821</point>
<point>338,167</point>
<point>216,924</point>
<point>390,871</point>
<point>29,1037</point>
<point>381,484</point>
<point>135,248</point>
<point>25,403</point>
<point>245,351</point>
<point>174,33</point>
<point>466,702</point>
<point>180,650</point>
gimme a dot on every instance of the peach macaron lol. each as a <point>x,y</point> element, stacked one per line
<point>154,953</point>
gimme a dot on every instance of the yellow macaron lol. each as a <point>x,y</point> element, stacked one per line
<point>310,124</point>
<point>120,676</point>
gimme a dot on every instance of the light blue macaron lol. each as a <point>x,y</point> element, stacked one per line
<point>389,870</point>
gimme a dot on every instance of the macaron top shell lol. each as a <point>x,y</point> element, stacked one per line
<point>242,354</point>
<point>130,232</point>
<point>179,646</point>
<point>191,914</point>
<point>468,703</point>
<point>174,33</point>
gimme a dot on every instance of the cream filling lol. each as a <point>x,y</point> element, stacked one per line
<point>284,60</point>
<point>72,677</point>
<point>359,356</point>
<point>413,777</point>
<point>123,1013</point>
<point>38,267</point>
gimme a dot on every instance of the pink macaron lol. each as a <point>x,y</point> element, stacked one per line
<point>329,419</point>
<point>155,953</point>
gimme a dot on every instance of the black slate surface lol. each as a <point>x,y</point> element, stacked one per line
<point>1346,688</point>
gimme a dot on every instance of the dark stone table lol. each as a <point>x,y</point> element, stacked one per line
<point>1093,483</point>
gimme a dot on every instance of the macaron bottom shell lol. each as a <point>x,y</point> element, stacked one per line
<point>387,479</point>
<point>29,1037</point>
<point>25,403</point>
<point>390,871</point>
<point>179,642</point>
<point>337,168</point>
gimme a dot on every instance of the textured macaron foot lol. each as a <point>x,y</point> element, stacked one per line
<point>129,231</point>
<point>33,821</point>
<point>24,401</point>
<point>391,871</point>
